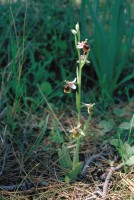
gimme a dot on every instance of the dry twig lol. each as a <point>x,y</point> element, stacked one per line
<point>108,177</point>
<point>89,160</point>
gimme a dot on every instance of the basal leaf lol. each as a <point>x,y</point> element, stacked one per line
<point>75,171</point>
<point>124,126</point>
<point>64,158</point>
<point>127,150</point>
<point>46,88</point>
<point>115,142</point>
<point>67,179</point>
<point>130,161</point>
<point>106,126</point>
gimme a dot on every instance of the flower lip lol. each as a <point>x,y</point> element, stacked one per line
<point>67,89</point>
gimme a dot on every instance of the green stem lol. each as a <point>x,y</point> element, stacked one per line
<point>76,152</point>
<point>79,112</point>
<point>79,94</point>
<point>76,155</point>
<point>78,148</point>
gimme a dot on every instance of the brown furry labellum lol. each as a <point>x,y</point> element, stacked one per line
<point>75,133</point>
<point>67,89</point>
<point>86,47</point>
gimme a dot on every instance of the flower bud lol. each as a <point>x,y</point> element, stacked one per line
<point>74,31</point>
<point>77,27</point>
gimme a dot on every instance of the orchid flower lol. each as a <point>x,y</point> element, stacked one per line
<point>82,58</point>
<point>76,131</point>
<point>89,107</point>
<point>70,85</point>
<point>83,45</point>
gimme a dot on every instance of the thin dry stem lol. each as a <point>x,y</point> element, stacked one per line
<point>108,177</point>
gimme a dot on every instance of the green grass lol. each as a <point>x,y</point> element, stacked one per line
<point>112,35</point>
<point>34,60</point>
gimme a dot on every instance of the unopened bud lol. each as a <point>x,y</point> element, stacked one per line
<point>77,27</point>
<point>74,31</point>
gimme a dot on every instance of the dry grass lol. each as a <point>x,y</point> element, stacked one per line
<point>38,177</point>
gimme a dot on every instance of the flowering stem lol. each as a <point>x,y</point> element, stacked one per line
<point>78,51</point>
<point>76,157</point>
<point>76,152</point>
<point>79,94</point>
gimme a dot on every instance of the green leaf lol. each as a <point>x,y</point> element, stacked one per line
<point>67,179</point>
<point>106,126</point>
<point>73,174</point>
<point>46,88</point>
<point>110,52</point>
<point>130,161</point>
<point>56,137</point>
<point>121,112</point>
<point>64,158</point>
<point>127,125</point>
<point>124,126</point>
<point>40,138</point>
<point>115,142</point>
<point>127,150</point>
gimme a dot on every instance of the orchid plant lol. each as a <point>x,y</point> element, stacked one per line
<point>73,166</point>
